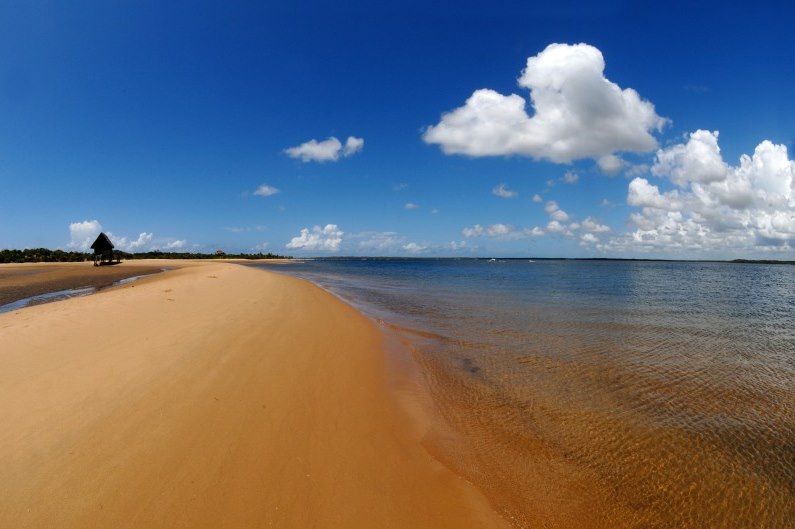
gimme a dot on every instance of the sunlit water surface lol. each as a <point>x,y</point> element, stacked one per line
<point>601,393</point>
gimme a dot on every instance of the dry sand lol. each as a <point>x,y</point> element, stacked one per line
<point>213,396</point>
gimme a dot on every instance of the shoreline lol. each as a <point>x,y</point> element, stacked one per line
<point>213,395</point>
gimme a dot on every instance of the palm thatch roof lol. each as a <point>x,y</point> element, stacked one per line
<point>102,244</point>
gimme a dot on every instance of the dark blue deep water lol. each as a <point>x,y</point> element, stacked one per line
<point>600,393</point>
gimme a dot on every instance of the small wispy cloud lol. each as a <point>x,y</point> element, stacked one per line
<point>328,150</point>
<point>413,247</point>
<point>501,231</point>
<point>411,205</point>
<point>241,229</point>
<point>502,191</point>
<point>265,190</point>
<point>177,245</point>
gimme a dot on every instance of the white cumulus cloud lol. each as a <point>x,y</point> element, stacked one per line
<point>142,243</point>
<point>327,239</point>
<point>328,150</point>
<point>555,226</point>
<point>714,205</point>
<point>554,211</point>
<point>352,146</point>
<point>698,160</point>
<point>593,226</point>
<point>578,113</point>
<point>82,234</point>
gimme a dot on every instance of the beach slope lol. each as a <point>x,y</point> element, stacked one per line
<point>214,396</point>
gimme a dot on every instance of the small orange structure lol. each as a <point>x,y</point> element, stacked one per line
<point>103,250</point>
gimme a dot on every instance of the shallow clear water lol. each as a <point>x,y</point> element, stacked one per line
<point>600,393</point>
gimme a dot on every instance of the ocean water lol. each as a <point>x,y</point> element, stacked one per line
<point>599,393</point>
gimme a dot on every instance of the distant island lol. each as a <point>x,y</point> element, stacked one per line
<point>45,255</point>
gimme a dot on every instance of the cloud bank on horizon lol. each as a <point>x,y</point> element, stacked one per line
<point>714,204</point>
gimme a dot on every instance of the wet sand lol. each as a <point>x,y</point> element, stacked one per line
<point>18,281</point>
<point>212,396</point>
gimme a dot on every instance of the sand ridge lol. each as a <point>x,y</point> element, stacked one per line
<point>215,395</point>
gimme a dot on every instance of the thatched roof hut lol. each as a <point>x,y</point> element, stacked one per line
<point>103,250</point>
<point>102,244</point>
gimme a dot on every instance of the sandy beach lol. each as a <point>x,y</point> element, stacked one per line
<point>212,396</point>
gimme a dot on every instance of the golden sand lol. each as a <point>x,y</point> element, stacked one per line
<point>213,396</point>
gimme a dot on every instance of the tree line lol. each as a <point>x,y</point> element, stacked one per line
<point>45,255</point>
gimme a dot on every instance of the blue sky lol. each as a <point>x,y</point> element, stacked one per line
<point>158,121</point>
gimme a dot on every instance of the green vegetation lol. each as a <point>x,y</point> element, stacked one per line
<point>41,255</point>
<point>44,255</point>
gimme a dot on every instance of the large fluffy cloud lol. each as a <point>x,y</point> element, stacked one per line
<point>714,205</point>
<point>327,239</point>
<point>329,150</point>
<point>82,234</point>
<point>698,160</point>
<point>578,113</point>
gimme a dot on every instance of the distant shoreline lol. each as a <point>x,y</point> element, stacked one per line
<point>616,259</point>
<point>45,255</point>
